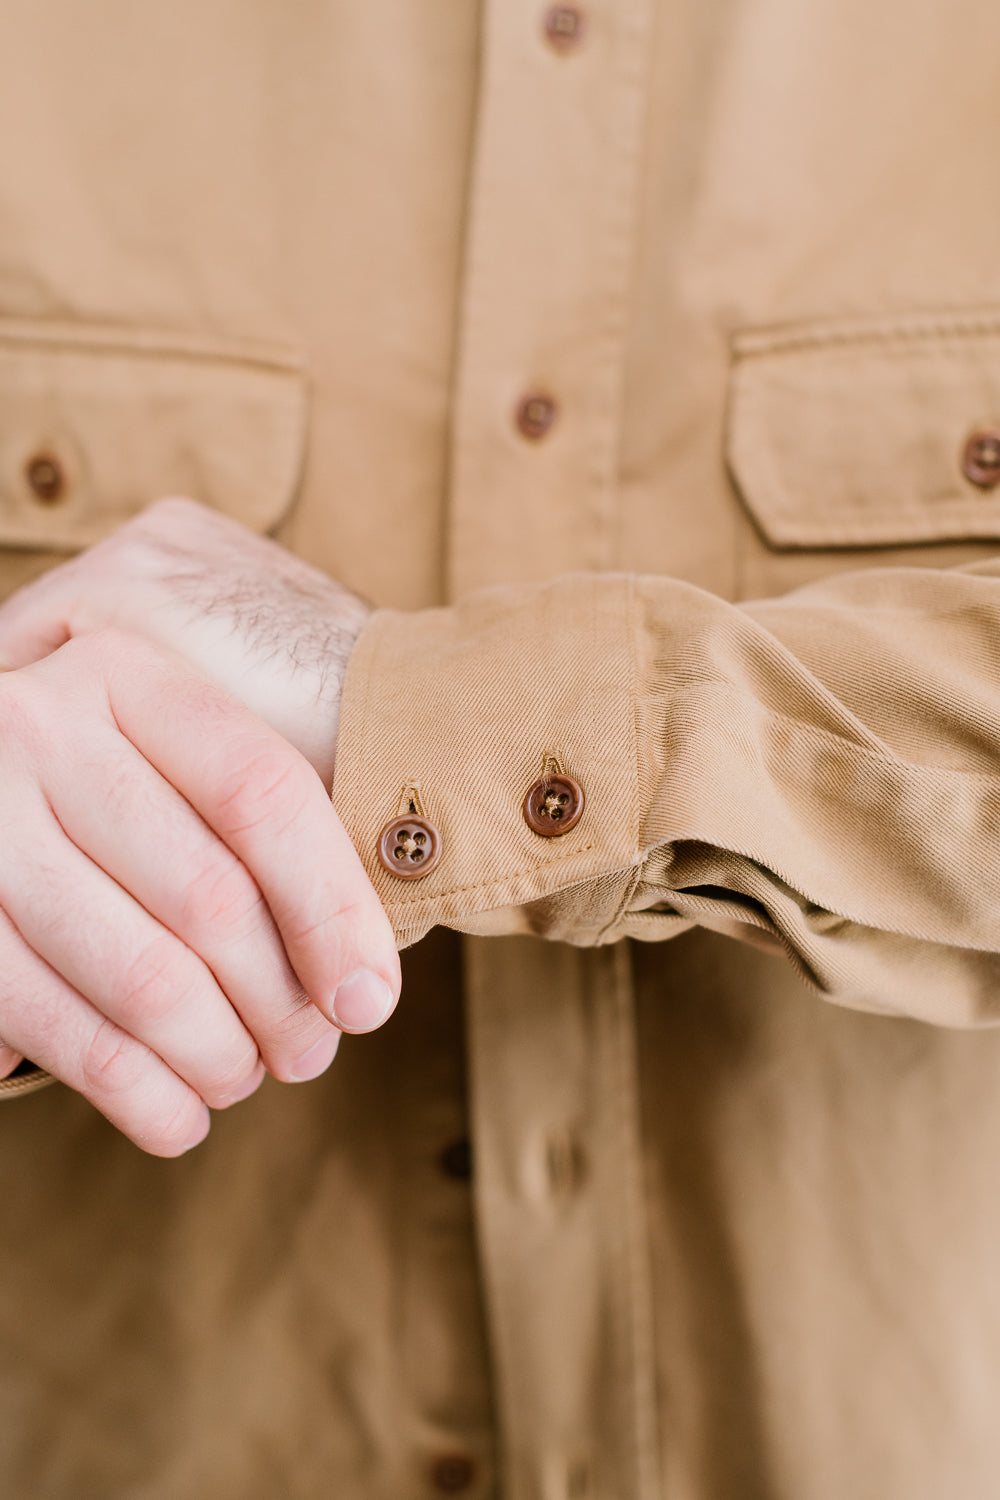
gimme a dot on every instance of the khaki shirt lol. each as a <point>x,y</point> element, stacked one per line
<point>332,268</point>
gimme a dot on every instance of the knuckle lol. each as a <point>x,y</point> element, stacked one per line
<point>116,653</point>
<point>95,654</point>
<point>301,1019</point>
<point>335,942</point>
<point>272,788</point>
<point>22,710</point>
<point>222,899</point>
<point>113,1063</point>
<point>170,508</point>
<point>106,643</point>
<point>171,1134</point>
<point>153,983</point>
<point>235,1081</point>
<point>119,794</point>
<point>291,1033</point>
<point>333,930</point>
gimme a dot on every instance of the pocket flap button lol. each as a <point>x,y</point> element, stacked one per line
<point>981,458</point>
<point>45,477</point>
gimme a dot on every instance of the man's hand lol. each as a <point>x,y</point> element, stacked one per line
<point>255,619</point>
<point>180,906</point>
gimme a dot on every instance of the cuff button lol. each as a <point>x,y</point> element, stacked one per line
<point>409,848</point>
<point>553,805</point>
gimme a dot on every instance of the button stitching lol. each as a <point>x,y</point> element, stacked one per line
<point>553,805</point>
<point>409,848</point>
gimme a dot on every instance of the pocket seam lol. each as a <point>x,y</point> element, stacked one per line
<point>121,339</point>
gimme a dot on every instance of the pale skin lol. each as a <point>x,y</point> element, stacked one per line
<point>181,909</point>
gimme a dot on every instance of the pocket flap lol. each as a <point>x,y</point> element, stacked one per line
<point>854,433</point>
<point>96,422</point>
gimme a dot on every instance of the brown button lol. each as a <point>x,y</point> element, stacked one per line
<point>536,415</point>
<point>409,848</point>
<point>456,1160</point>
<point>553,805</point>
<point>981,458</point>
<point>564,26</point>
<point>45,477</point>
<point>453,1473</point>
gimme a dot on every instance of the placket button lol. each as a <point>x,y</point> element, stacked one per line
<point>981,458</point>
<point>563,26</point>
<point>409,848</point>
<point>553,805</point>
<point>456,1160</point>
<point>453,1473</point>
<point>536,415</point>
<point>45,477</point>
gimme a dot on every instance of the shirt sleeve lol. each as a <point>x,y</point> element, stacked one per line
<point>818,774</point>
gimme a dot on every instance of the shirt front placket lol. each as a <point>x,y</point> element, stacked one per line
<point>534,493</point>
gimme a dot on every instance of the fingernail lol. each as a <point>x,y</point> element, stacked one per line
<point>316,1061</point>
<point>362,1002</point>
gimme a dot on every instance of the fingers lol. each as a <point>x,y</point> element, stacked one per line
<point>198,891</point>
<point>268,806</point>
<point>35,621</point>
<point>9,1060</point>
<point>176,893</point>
<point>50,1022</point>
<point>131,969</point>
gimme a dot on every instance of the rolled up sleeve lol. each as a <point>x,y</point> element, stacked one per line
<point>818,774</point>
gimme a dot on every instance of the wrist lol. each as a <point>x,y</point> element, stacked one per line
<point>319,726</point>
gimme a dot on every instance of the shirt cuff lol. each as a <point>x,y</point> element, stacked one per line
<point>451,716</point>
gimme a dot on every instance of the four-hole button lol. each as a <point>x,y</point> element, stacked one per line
<point>553,805</point>
<point>409,847</point>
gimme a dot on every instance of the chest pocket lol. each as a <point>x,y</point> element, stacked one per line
<point>96,422</point>
<point>870,433</point>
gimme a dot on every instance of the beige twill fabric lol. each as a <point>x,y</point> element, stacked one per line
<point>725,1240</point>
